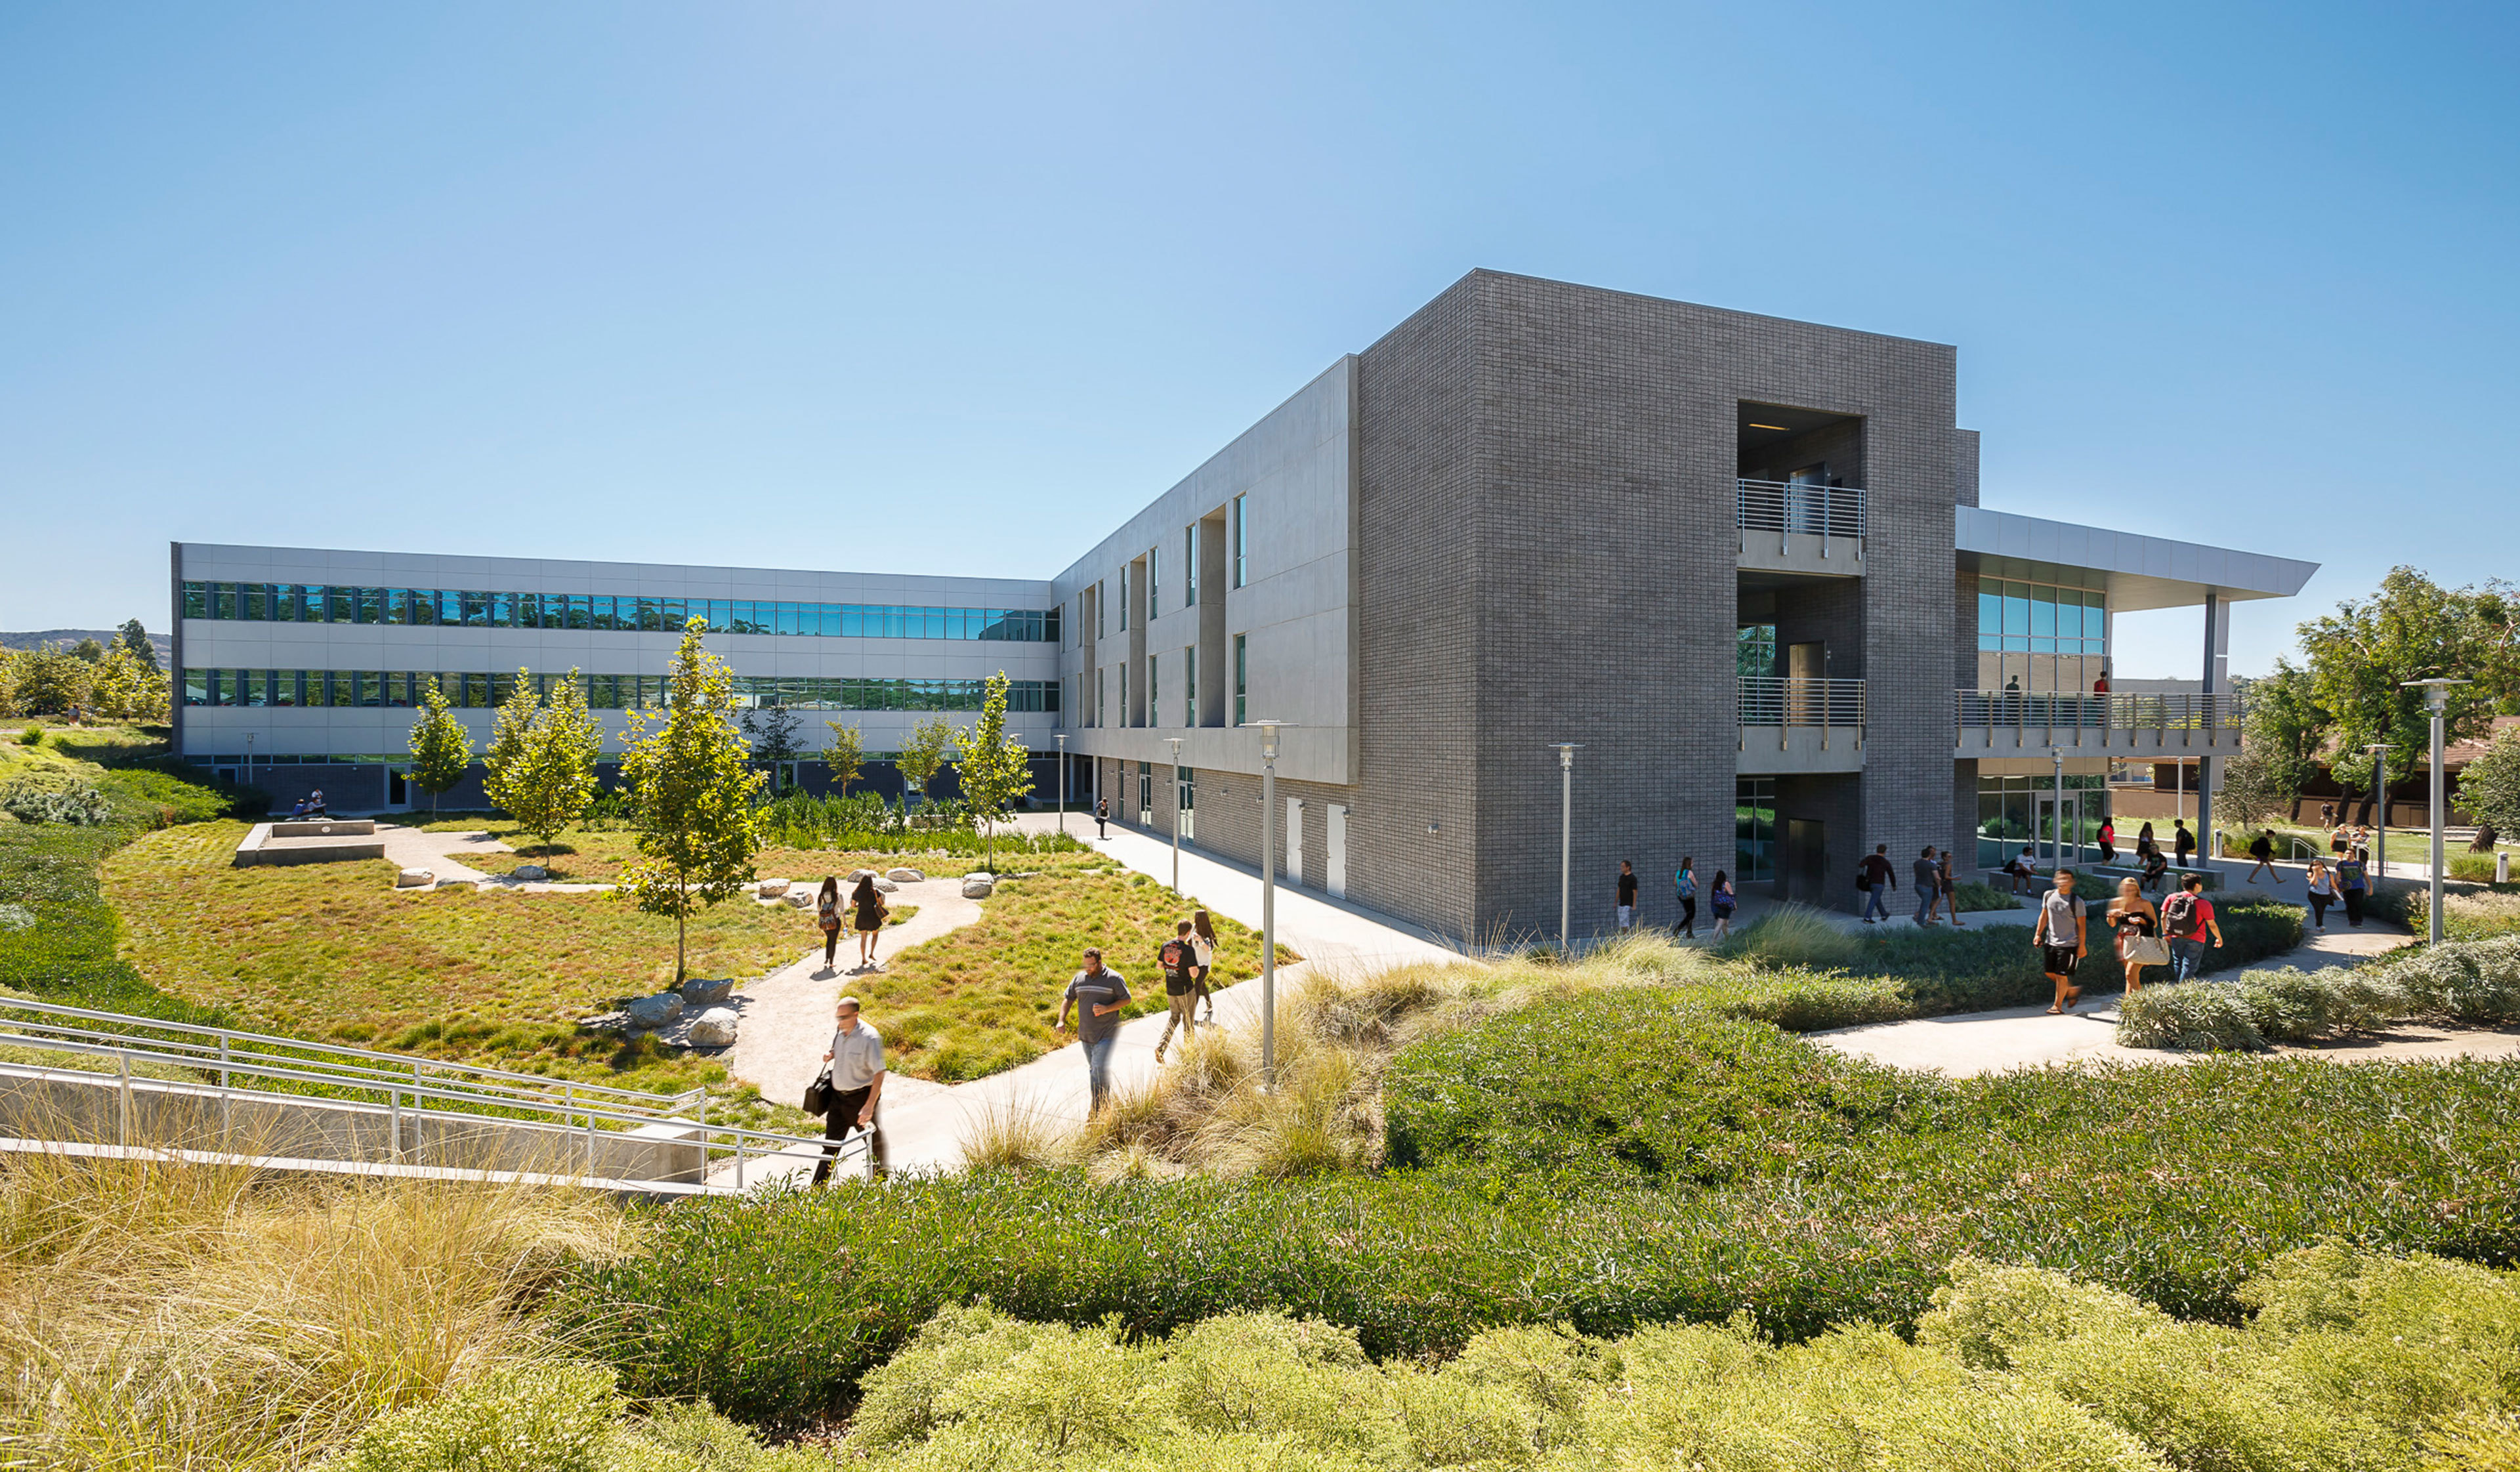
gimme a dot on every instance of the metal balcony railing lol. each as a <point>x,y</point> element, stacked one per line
<point>1808,703</point>
<point>1826,512</point>
<point>2040,711</point>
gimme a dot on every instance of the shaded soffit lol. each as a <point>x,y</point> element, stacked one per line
<point>2140,572</point>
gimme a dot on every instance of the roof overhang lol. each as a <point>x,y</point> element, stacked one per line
<point>2139,571</point>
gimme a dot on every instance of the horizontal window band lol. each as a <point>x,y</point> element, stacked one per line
<point>609,612</point>
<point>406,689</point>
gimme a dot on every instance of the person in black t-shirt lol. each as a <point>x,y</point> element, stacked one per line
<point>1179,960</point>
<point>1627,895</point>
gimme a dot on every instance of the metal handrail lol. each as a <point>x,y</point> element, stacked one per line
<point>506,1080</point>
<point>1792,505</point>
<point>2112,711</point>
<point>1790,702</point>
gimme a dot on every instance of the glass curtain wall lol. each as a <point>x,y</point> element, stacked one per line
<point>2040,633</point>
<point>1754,830</point>
<point>2014,813</point>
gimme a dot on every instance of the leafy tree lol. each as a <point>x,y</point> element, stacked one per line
<point>2283,726</point>
<point>924,755</point>
<point>128,687</point>
<point>692,788</point>
<point>49,681</point>
<point>88,649</point>
<point>996,767</point>
<point>2249,794</point>
<point>2489,787</point>
<point>540,768</point>
<point>846,755</point>
<point>441,747</point>
<point>134,637</point>
<point>2410,629</point>
<point>773,730</point>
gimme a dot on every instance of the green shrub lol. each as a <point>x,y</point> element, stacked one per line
<point>2284,1005</point>
<point>47,796</point>
<point>2172,1184</point>
<point>1791,935</point>
<point>2461,981</point>
<point>554,1417</point>
<point>1629,1083</point>
<point>1974,896</point>
<point>2197,1016</point>
<point>2475,915</point>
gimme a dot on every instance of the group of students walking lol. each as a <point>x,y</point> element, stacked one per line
<point>1721,900</point>
<point>865,909</point>
<point>1937,890</point>
<point>1096,993</point>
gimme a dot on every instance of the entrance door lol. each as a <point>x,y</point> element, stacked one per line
<point>1335,838</point>
<point>1294,840</point>
<point>2056,824</point>
<point>1806,664</point>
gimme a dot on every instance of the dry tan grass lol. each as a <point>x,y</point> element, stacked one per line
<point>163,1315</point>
<point>1207,1110</point>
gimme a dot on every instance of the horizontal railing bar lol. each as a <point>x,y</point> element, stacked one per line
<point>330,1048</point>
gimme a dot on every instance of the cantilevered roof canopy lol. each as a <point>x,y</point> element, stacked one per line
<point>2140,572</point>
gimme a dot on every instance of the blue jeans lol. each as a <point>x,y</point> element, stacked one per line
<point>1873,905</point>
<point>1098,1067</point>
<point>1924,903</point>
<point>2187,959</point>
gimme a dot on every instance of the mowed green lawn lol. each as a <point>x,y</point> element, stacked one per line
<point>595,856</point>
<point>331,952</point>
<point>979,1000</point>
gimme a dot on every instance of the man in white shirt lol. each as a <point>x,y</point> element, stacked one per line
<point>857,1088</point>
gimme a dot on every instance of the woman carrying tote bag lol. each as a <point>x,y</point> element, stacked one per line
<point>826,913</point>
<point>867,901</point>
<point>2139,927</point>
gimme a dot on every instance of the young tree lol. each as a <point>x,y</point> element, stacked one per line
<point>441,747</point>
<point>2249,794</point>
<point>996,767</point>
<point>134,637</point>
<point>540,768</point>
<point>846,755</point>
<point>773,731</point>
<point>128,687</point>
<point>49,681</point>
<point>88,649</point>
<point>2489,787</point>
<point>692,787</point>
<point>923,756</point>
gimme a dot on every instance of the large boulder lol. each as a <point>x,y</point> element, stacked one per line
<point>700,992</point>
<point>529,873</point>
<point>856,875</point>
<point>774,888</point>
<point>905,875</point>
<point>978,886</point>
<point>414,878</point>
<point>714,1028</point>
<point>800,899</point>
<point>459,884</point>
<point>654,1011</point>
<point>886,886</point>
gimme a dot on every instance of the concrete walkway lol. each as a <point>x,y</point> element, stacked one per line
<point>926,1124</point>
<point>2029,1037</point>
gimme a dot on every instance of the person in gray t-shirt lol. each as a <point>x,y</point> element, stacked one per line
<point>1929,885</point>
<point>1097,994</point>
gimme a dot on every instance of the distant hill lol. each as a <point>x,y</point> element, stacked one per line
<point>165,647</point>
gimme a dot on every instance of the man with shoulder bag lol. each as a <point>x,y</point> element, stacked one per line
<point>2188,917</point>
<point>850,1090</point>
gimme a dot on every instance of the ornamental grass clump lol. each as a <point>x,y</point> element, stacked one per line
<point>1792,935</point>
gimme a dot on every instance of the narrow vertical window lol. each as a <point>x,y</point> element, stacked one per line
<point>1154,580</point>
<point>1241,677</point>
<point>1189,685</point>
<point>1189,566</point>
<point>1124,697</point>
<point>1154,701</point>
<point>1241,542</point>
<point>1124,602</point>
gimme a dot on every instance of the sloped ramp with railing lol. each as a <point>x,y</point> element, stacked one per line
<point>98,1080</point>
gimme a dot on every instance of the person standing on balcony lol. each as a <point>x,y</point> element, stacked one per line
<point>1878,878</point>
<point>2101,687</point>
<point>1929,885</point>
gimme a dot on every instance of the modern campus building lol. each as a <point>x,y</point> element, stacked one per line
<point>1737,561</point>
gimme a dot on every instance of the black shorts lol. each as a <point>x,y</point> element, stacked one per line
<point>2056,960</point>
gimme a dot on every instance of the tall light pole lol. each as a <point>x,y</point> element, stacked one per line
<point>2380,789</point>
<point>1268,901</point>
<point>1062,739</point>
<point>1565,834</point>
<point>2436,700</point>
<point>1175,777</point>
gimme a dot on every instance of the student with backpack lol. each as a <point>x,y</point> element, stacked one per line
<point>2187,918</point>
<point>2262,848</point>
<point>2353,884</point>
<point>1203,950</point>
<point>1875,878</point>
<point>1179,960</point>
<point>1684,881</point>
<point>1722,897</point>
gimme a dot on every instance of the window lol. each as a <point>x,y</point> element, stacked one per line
<point>1241,543</point>
<point>1145,795</point>
<point>1241,673</point>
<point>1185,802</point>
<point>196,604</point>
<point>1754,830</point>
<point>1102,620</point>
<point>1189,566</point>
<point>1189,685</point>
<point>1756,657</point>
<point>1154,701</point>
<point>1154,580</point>
<point>1124,604</point>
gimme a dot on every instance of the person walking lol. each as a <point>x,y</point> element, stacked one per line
<point>1876,877</point>
<point>2187,918</point>
<point>1720,899</point>
<point>1203,945</point>
<point>1929,885</point>
<point>826,913</point>
<point>1179,961</point>
<point>1950,890</point>
<point>2144,843</point>
<point>2138,931</point>
<point>2108,841</point>
<point>854,1068</point>
<point>2322,893</point>
<point>1627,896</point>
<point>2353,885</point>
<point>2181,840</point>
<point>1096,994</point>
<point>2059,936</point>
<point>867,901</point>
<point>1102,817</point>
<point>1684,881</point>
<point>2262,848</point>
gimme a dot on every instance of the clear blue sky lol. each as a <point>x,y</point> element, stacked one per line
<point>952,288</point>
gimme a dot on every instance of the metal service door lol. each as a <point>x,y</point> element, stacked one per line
<point>1335,835</point>
<point>1294,840</point>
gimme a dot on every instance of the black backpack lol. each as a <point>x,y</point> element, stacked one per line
<point>2179,915</point>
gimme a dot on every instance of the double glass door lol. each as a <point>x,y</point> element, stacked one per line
<point>2058,833</point>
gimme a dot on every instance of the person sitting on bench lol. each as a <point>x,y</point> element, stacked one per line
<point>2018,867</point>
